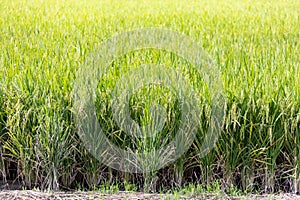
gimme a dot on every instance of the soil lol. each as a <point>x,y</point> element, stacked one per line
<point>32,194</point>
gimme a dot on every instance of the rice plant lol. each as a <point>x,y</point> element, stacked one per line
<point>255,45</point>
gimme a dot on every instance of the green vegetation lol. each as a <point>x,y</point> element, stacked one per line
<point>254,44</point>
